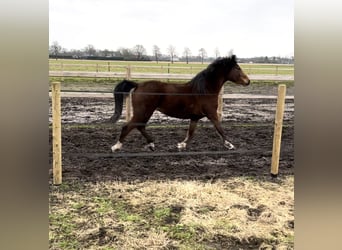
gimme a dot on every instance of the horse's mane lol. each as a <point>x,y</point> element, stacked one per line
<point>198,83</point>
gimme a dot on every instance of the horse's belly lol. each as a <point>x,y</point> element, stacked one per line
<point>174,114</point>
<point>182,107</point>
<point>180,113</point>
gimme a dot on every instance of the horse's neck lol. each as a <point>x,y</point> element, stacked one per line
<point>215,87</point>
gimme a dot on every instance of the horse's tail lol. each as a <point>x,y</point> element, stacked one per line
<point>120,91</point>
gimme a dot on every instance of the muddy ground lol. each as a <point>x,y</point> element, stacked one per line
<point>87,137</point>
<point>87,162</point>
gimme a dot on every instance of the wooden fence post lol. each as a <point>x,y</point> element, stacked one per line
<point>128,72</point>
<point>220,104</point>
<point>168,71</point>
<point>278,125</point>
<point>62,69</point>
<point>56,133</point>
<point>129,97</point>
<point>97,71</point>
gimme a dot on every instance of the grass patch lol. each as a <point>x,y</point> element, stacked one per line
<point>181,232</point>
<point>125,213</point>
<point>62,232</point>
<point>172,214</point>
<point>162,213</point>
<point>103,205</point>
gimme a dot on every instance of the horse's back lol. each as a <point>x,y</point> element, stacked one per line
<point>158,87</point>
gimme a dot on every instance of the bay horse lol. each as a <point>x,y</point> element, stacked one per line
<point>193,100</point>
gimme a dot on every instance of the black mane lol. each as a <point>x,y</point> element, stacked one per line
<point>209,74</point>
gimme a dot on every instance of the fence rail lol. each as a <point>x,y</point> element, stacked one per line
<point>107,66</point>
<point>281,67</point>
<point>57,152</point>
<point>170,76</point>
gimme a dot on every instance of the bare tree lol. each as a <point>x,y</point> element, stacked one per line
<point>55,49</point>
<point>202,54</point>
<point>139,51</point>
<point>76,53</point>
<point>230,52</point>
<point>125,53</point>
<point>106,52</point>
<point>187,53</point>
<point>156,52</point>
<point>217,52</point>
<point>172,52</point>
<point>90,50</point>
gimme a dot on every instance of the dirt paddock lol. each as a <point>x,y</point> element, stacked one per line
<point>87,138</point>
<point>87,162</point>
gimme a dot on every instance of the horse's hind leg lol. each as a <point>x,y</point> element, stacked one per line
<point>189,135</point>
<point>138,121</point>
<point>149,139</point>
<point>124,132</point>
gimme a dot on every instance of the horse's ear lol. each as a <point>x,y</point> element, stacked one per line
<point>233,57</point>
<point>230,53</point>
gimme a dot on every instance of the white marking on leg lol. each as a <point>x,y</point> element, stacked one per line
<point>181,145</point>
<point>117,146</point>
<point>228,145</point>
<point>150,146</point>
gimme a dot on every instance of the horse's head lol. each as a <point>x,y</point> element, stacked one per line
<point>236,74</point>
<point>217,73</point>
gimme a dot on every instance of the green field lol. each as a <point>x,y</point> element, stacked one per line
<point>106,84</point>
<point>161,67</point>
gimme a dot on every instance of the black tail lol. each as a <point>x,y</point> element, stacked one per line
<point>120,91</point>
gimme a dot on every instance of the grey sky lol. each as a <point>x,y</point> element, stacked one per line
<point>249,27</point>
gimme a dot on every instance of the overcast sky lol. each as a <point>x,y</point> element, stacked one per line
<point>248,27</point>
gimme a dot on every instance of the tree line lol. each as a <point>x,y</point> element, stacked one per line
<point>139,53</point>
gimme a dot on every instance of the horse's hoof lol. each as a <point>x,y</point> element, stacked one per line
<point>181,146</point>
<point>228,145</point>
<point>150,146</point>
<point>116,147</point>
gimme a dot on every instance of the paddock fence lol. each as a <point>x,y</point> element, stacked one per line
<point>108,70</point>
<point>103,66</point>
<point>129,74</point>
<point>56,132</point>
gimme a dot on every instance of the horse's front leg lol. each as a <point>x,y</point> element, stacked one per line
<point>214,119</point>
<point>189,135</point>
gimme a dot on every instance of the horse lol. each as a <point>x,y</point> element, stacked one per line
<point>194,100</point>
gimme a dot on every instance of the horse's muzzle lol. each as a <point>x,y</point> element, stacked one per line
<point>245,82</point>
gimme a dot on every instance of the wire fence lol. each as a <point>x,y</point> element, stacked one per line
<point>160,154</point>
<point>177,68</point>
<point>92,155</point>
